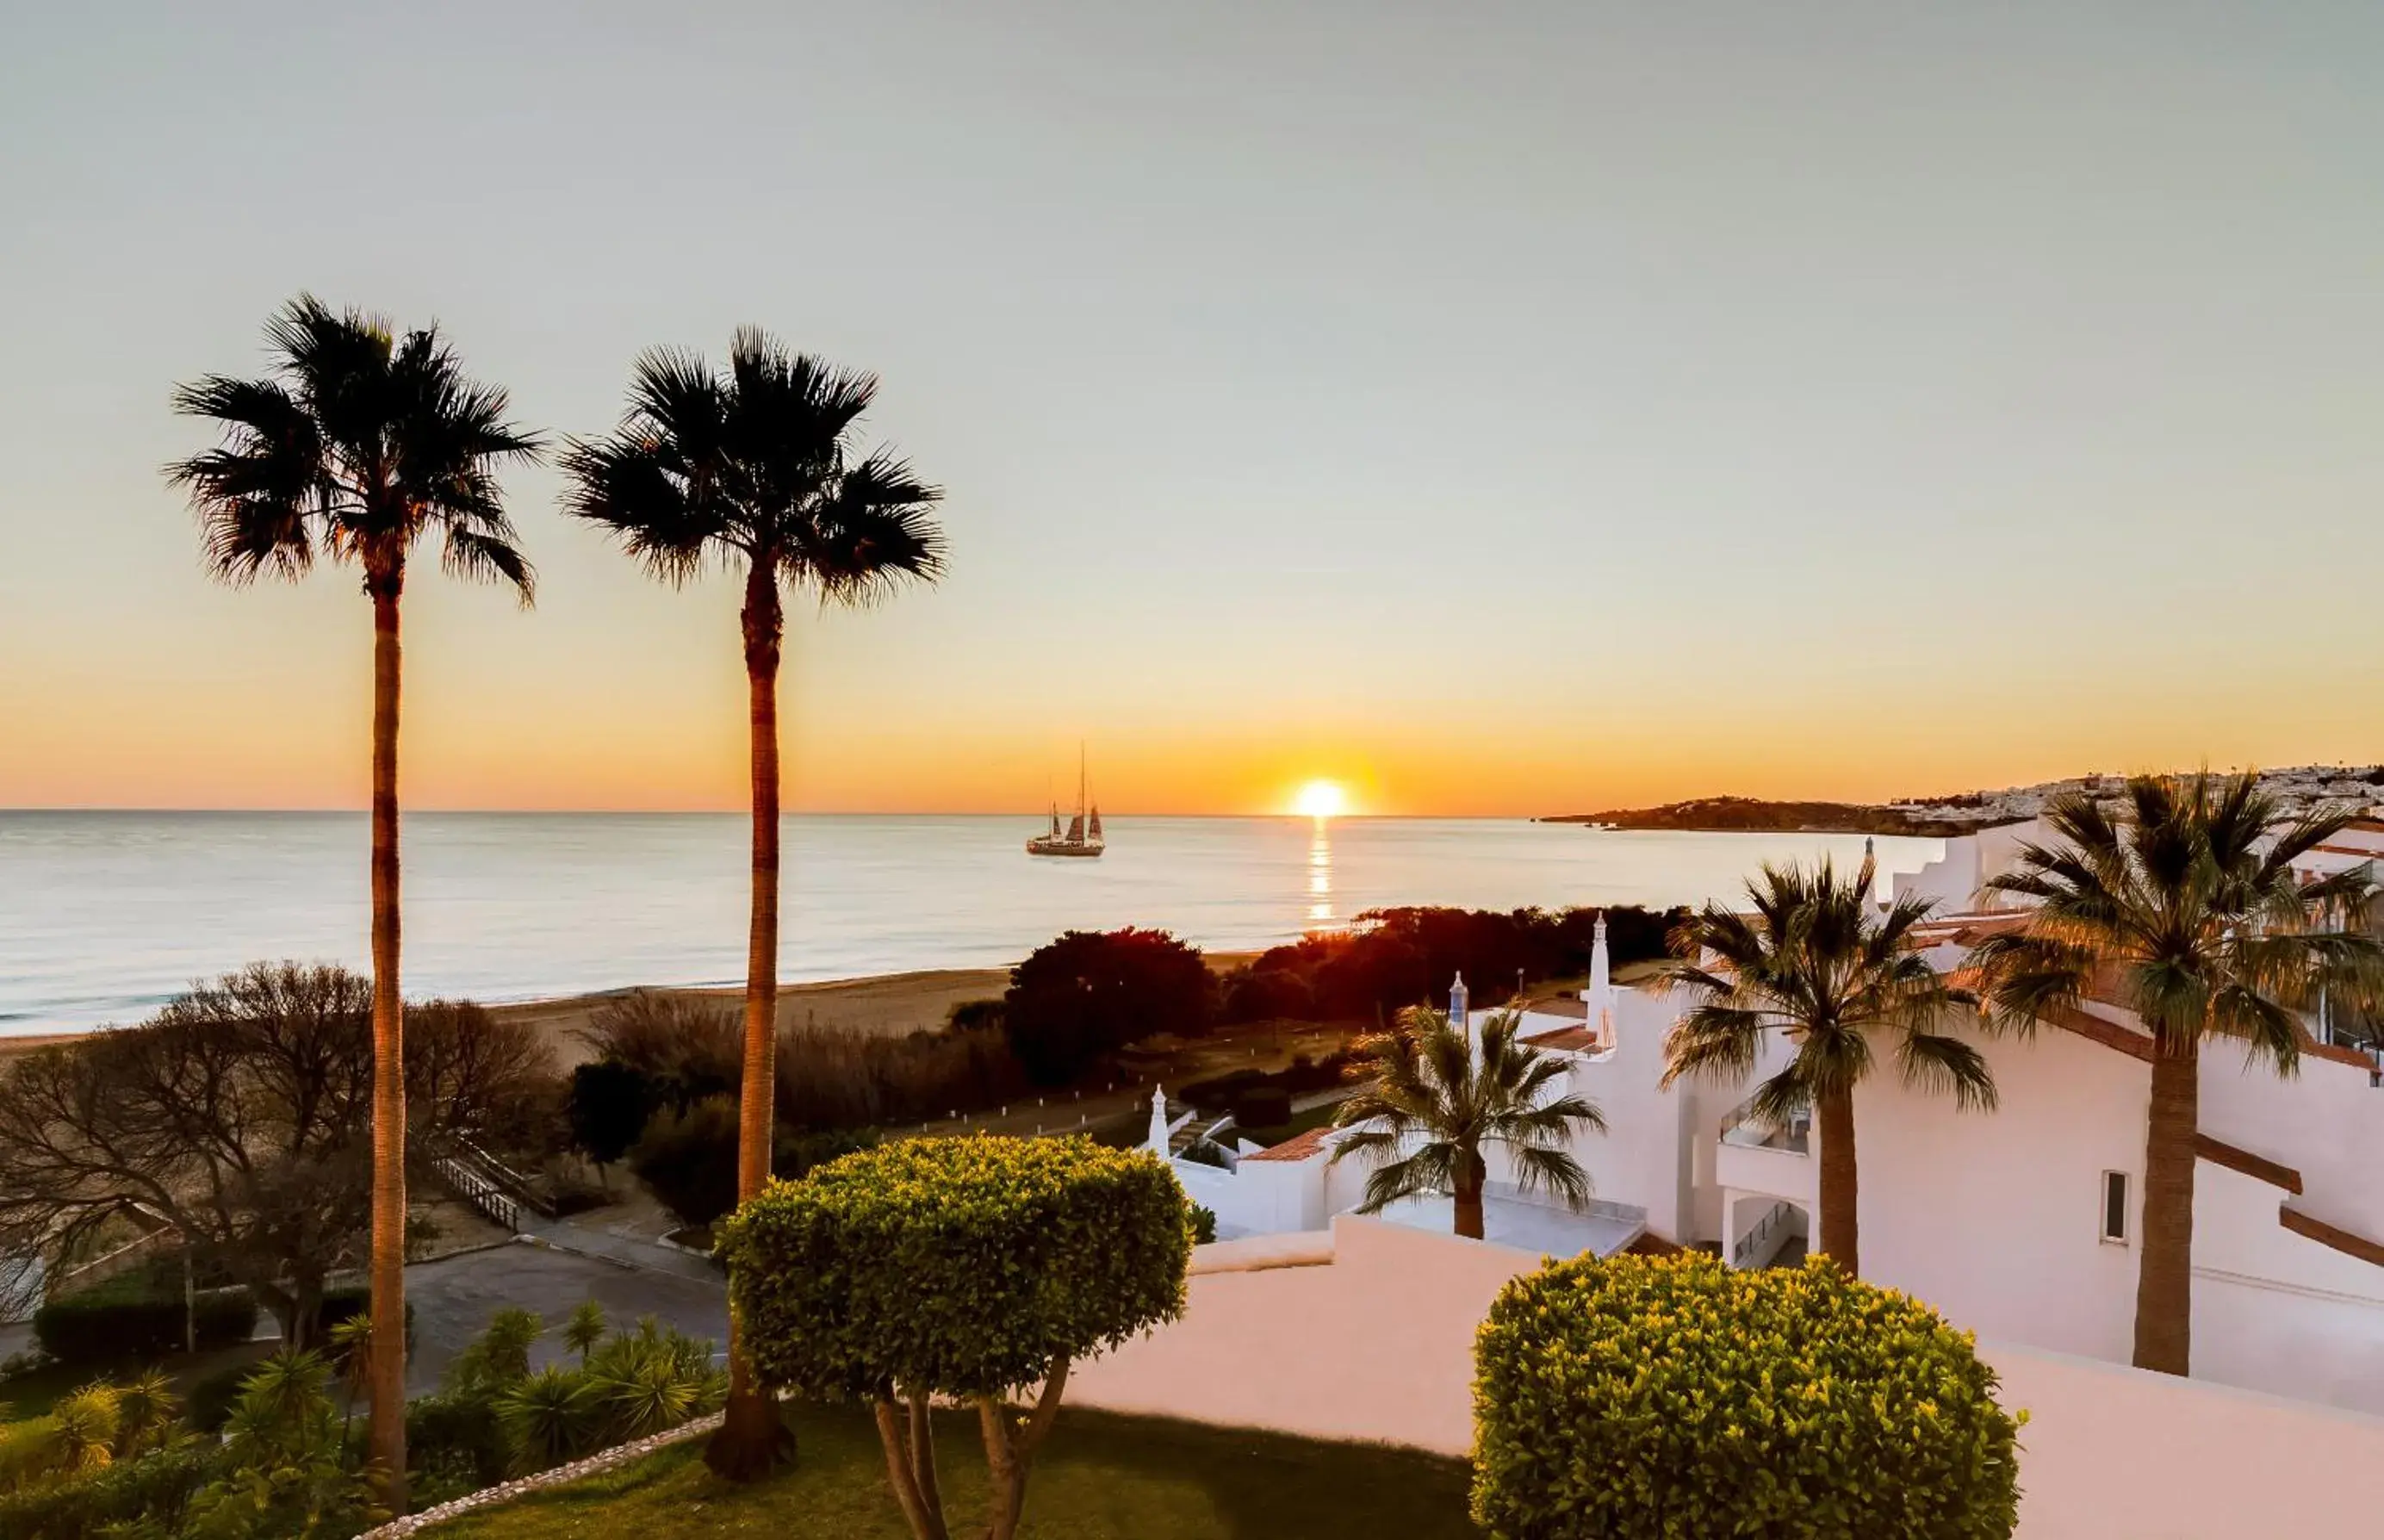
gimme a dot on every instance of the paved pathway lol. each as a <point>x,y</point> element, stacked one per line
<point>453,1297</point>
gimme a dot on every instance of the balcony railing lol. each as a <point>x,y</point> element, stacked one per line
<point>1749,1132</point>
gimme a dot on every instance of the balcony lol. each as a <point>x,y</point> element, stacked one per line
<point>1775,1160</point>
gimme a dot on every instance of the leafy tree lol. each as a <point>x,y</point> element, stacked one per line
<point>1089,993</point>
<point>1816,962</point>
<point>242,1116</point>
<point>356,447</point>
<point>757,467</point>
<point>1641,1397</point>
<point>607,1108</point>
<point>2188,904</point>
<point>969,1269</point>
<point>1436,1105</point>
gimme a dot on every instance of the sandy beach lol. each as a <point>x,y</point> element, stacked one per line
<point>892,1004</point>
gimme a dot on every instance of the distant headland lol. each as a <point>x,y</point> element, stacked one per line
<point>2360,786</point>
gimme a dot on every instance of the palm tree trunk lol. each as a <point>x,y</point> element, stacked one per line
<point>2165,1269</point>
<point>1470,1171</point>
<point>389,1067</point>
<point>752,1437</point>
<point>1840,1181</point>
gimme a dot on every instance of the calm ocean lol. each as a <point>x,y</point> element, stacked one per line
<point>104,915</point>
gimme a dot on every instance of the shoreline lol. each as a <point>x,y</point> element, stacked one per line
<point>891,1004</point>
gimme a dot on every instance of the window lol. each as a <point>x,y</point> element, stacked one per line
<point>2115,1207</point>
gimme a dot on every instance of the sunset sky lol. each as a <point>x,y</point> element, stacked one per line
<point>1499,409</point>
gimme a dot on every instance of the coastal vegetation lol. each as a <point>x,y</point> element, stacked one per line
<point>1437,1102</point>
<point>755,467</point>
<point>959,1270</point>
<point>2184,906</point>
<point>1813,958</point>
<point>357,446</point>
<point>276,1455</point>
<point>1394,958</point>
<point>1075,1001</point>
<point>240,1122</point>
<point>1661,1397</point>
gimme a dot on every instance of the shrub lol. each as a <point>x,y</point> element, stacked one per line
<point>1089,993</point>
<point>123,1321</point>
<point>965,1268</point>
<point>154,1489</point>
<point>690,1160</point>
<point>1204,1224</point>
<point>837,1077</point>
<point>607,1107</point>
<point>686,1047</point>
<point>212,1395</point>
<point>457,1440</point>
<point>1671,1396</point>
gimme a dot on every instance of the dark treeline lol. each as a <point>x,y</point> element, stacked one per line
<point>1399,956</point>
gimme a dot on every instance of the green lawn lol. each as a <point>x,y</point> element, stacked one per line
<point>1101,1477</point>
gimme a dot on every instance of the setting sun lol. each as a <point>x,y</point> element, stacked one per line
<point>1320,799</point>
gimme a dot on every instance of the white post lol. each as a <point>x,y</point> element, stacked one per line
<point>1159,1121</point>
<point>1599,996</point>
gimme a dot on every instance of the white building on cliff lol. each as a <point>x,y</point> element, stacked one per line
<point>2021,1224</point>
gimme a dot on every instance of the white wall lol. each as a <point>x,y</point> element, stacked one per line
<point>1993,1217</point>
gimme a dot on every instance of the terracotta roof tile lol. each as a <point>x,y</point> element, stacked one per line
<point>1299,1146</point>
<point>1565,1039</point>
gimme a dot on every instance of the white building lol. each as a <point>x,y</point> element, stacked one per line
<point>2020,1224</point>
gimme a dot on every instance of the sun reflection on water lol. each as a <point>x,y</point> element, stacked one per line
<point>1319,874</point>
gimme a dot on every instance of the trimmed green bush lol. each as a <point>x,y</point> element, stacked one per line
<point>973,1269</point>
<point>1672,1397</point>
<point>124,1320</point>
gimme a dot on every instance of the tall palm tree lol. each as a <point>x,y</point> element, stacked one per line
<point>1816,960</point>
<point>2185,909</point>
<point>1437,1104</point>
<point>755,467</point>
<point>356,445</point>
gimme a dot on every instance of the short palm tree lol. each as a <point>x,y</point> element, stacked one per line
<point>2184,907</point>
<point>1815,960</point>
<point>755,467</point>
<point>358,445</point>
<point>1437,1104</point>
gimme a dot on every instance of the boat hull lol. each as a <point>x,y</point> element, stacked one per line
<point>1085,848</point>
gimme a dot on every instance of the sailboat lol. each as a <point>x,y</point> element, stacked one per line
<point>1083,833</point>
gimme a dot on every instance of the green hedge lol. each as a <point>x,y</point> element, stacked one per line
<point>1672,1397</point>
<point>956,1265</point>
<point>124,1320</point>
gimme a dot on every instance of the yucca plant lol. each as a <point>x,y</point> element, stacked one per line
<point>499,1357</point>
<point>2184,906</point>
<point>1437,1104</point>
<point>584,1329</point>
<point>547,1418</point>
<point>1813,958</point>
<point>83,1429</point>
<point>147,1410</point>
